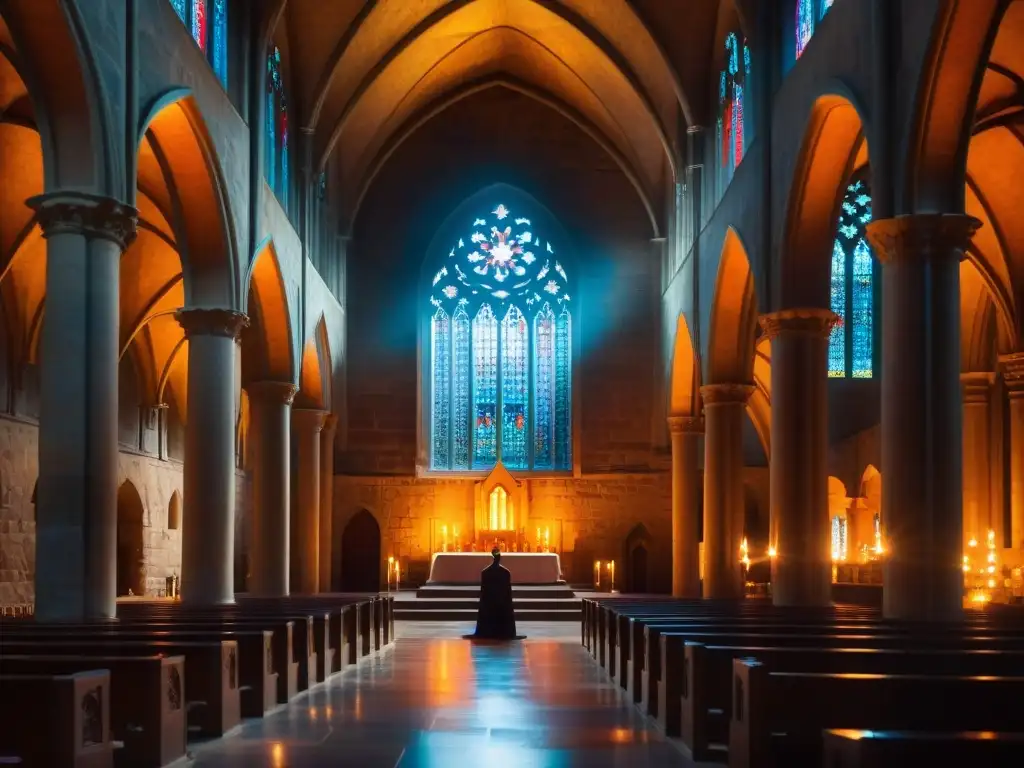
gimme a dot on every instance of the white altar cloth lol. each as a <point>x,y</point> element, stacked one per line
<point>465,567</point>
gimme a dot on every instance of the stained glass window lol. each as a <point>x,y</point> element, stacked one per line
<point>825,5</point>
<point>501,388</point>
<point>732,84</point>
<point>276,162</point>
<point>851,345</point>
<point>207,21</point>
<point>805,18</point>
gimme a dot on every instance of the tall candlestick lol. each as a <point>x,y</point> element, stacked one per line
<point>391,565</point>
<point>597,574</point>
<point>611,574</point>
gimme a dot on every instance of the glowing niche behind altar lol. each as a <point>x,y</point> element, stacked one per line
<point>501,351</point>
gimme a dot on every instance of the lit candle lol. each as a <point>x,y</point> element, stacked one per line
<point>597,574</point>
<point>547,539</point>
<point>398,574</point>
<point>444,538</point>
<point>391,565</point>
<point>611,574</point>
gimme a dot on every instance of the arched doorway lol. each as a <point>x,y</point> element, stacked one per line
<point>130,564</point>
<point>637,571</point>
<point>360,554</point>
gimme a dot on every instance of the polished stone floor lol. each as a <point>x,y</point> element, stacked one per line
<point>436,700</point>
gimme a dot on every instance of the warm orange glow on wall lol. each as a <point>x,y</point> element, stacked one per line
<point>271,305</point>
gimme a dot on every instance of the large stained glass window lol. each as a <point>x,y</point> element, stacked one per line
<point>207,20</point>
<point>732,93</point>
<point>851,346</point>
<point>501,351</point>
<point>276,117</point>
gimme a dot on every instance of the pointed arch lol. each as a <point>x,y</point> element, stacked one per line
<point>315,370</point>
<point>684,389</point>
<point>733,317</point>
<point>267,350</point>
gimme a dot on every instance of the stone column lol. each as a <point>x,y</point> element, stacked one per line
<point>327,499</point>
<point>1013,375</point>
<point>977,507</point>
<point>922,444</point>
<point>800,533</point>
<point>208,503</point>
<point>270,404</point>
<point>305,554</point>
<point>686,487</point>
<point>724,412</point>
<point>76,529</point>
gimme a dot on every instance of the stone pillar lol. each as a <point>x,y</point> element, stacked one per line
<point>724,412</point>
<point>1013,375</point>
<point>76,529</point>
<point>977,418</point>
<point>922,444</point>
<point>800,526</point>
<point>270,404</point>
<point>208,503</point>
<point>305,554</point>
<point>686,487</point>
<point>327,499</point>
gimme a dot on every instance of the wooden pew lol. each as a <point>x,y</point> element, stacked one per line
<point>257,678</point>
<point>210,671</point>
<point>695,696</point>
<point>57,720</point>
<point>147,700</point>
<point>778,717</point>
<point>895,749</point>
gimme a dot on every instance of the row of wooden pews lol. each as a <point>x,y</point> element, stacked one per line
<point>134,691</point>
<point>752,685</point>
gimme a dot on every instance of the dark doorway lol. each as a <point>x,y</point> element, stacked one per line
<point>637,571</point>
<point>130,564</point>
<point>360,554</point>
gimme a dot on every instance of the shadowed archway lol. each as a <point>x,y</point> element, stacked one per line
<point>360,554</point>
<point>131,576</point>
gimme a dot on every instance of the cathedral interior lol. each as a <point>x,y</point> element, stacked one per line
<point>708,298</point>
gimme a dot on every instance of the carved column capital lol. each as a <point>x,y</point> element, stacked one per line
<point>1012,366</point>
<point>976,387</point>
<point>79,213</point>
<point>685,425</point>
<point>724,394</point>
<point>801,322</point>
<point>309,419</point>
<point>211,322</point>
<point>272,391</point>
<point>922,236</point>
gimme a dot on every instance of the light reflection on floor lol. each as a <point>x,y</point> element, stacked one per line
<point>435,699</point>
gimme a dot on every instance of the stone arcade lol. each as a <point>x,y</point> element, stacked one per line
<point>716,300</point>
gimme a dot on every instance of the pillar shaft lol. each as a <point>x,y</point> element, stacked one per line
<point>802,567</point>
<point>1013,375</point>
<point>686,487</point>
<point>208,526</point>
<point>270,408</point>
<point>327,499</point>
<point>922,444</point>
<point>724,412</point>
<point>977,416</point>
<point>305,543</point>
<point>76,533</point>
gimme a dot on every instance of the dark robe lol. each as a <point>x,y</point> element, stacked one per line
<point>496,618</point>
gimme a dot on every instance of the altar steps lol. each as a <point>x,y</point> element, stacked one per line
<point>438,602</point>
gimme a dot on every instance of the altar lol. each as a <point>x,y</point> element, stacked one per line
<point>464,567</point>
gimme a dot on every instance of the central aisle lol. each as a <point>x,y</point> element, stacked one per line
<point>438,700</point>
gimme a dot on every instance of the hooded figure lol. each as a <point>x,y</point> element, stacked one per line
<point>496,618</point>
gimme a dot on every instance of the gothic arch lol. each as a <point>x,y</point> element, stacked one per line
<point>733,327</point>
<point>316,369</point>
<point>684,389</point>
<point>130,532</point>
<point>267,346</point>
<point>832,146</point>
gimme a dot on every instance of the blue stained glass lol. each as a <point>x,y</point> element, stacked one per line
<point>219,49</point>
<point>860,316</point>
<point>180,8</point>
<point>544,388</point>
<point>270,159</point>
<point>200,24</point>
<point>825,5</point>
<point>515,395</point>
<point>460,390</point>
<point>485,388</point>
<point>837,339</point>
<point>441,343</point>
<point>731,113</point>
<point>804,24</point>
<point>282,192</point>
<point>563,390</point>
